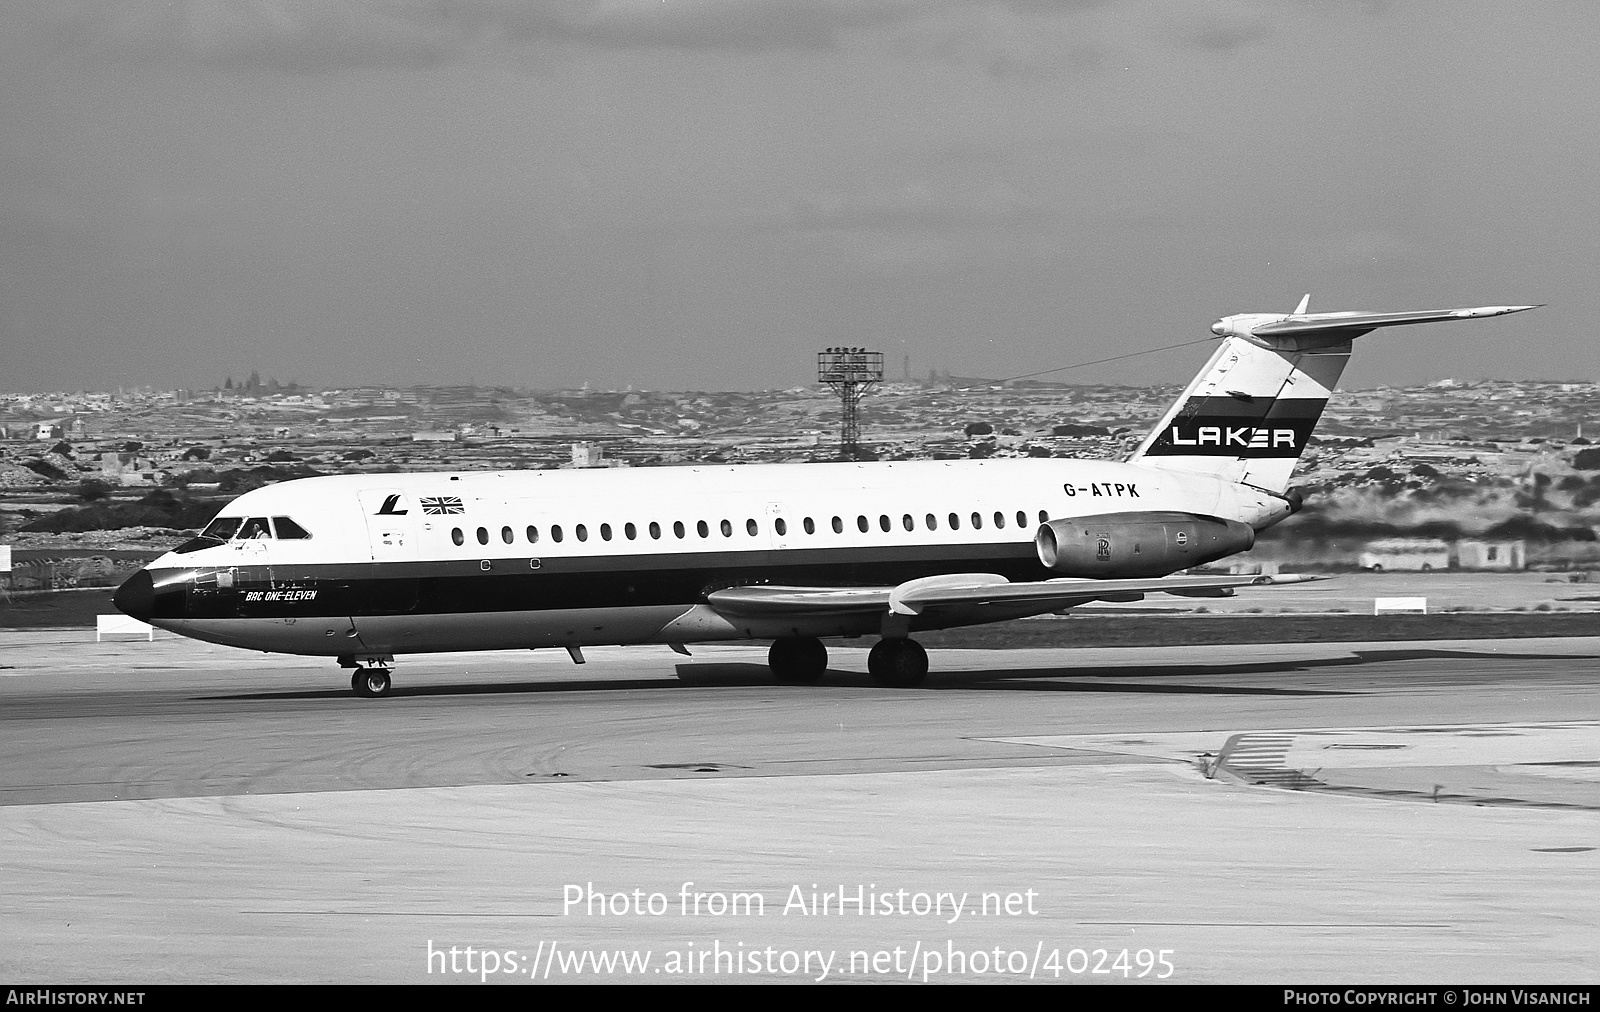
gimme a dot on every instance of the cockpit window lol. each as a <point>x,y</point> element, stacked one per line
<point>222,528</point>
<point>255,527</point>
<point>288,530</point>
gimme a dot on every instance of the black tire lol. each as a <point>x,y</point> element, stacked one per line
<point>797,660</point>
<point>899,664</point>
<point>370,683</point>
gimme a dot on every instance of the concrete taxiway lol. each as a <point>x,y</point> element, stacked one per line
<point>1420,812</point>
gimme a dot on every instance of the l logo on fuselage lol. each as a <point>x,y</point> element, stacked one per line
<point>388,508</point>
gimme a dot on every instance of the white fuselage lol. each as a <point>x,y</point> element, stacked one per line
<point>404,563</point>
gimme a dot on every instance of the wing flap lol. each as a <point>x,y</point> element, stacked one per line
<point>964,590</point>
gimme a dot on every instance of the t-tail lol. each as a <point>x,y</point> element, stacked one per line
<point>1249,413</point>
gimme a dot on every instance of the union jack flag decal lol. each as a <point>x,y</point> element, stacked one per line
<point>438,505</point>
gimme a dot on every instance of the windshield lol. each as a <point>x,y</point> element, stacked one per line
<point>222,528</point>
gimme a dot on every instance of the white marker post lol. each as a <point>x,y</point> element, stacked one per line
<point>1398,605</point>
<point>109,624</point>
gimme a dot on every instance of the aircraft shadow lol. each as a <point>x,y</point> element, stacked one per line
<point>1065,678</point>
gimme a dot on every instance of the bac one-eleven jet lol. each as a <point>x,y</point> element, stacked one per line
<point>365,567</point>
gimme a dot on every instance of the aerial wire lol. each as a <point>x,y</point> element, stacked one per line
<point>1099,361</point>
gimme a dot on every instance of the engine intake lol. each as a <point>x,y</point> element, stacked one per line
<point>1130,545</point>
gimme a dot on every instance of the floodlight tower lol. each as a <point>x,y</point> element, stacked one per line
<point>850,372</point>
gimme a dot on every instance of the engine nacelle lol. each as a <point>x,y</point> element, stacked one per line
<point>1130,545</point>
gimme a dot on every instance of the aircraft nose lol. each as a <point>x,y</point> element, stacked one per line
<point>136,597</point>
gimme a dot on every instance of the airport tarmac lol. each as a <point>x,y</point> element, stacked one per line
<point>172,811</point>
<point>1355,593</point>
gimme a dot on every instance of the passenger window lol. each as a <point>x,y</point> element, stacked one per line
<point>555,533</point>
<point>932,522</point>
<point>810,527</point>
<point>1044,517</point>
<point>582,532</point>
<point>605,532</point>
<point>908,522</point>
<point>507,535</point>
<point>861,522</point>
<point>838,526</point>
<point>750,527</point>
<point>655,530</point>
<point>483,535</point>
<point>255,528</point>
<point>457,536</point>
<point>288,530</point>
<point>780,525</point>
<point>222,528</point>
<point>727,529</point>
<point>999,519</point>
<point>533,535</point>
<point>702,528</point>
<point>955,522</point>
<point>630,530</point>
<point>1022,519</point>
<point>883,522</point>
<point>977,521</point>
<point>677,528</point>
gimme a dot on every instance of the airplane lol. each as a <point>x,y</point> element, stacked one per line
<point>364,567</point>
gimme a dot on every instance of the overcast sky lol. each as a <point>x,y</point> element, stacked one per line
<point>700,194</point>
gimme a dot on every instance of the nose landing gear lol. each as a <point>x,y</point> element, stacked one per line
<point>370,683</point>
<point>371,677</point>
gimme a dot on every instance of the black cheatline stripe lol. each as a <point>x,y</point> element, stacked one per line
<point>456,588</point>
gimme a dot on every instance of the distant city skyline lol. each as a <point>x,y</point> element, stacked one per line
<point>700,195</point>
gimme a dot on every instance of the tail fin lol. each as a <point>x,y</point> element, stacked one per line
<point>1248,414</point>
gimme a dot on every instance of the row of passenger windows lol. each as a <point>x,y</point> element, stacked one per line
<point>751,527</point>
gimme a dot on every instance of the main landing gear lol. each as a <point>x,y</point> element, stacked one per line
<point>898,663</point>
<point>797,660</point>
<point>802,660</point>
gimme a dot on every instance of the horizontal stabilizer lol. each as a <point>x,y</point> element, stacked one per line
<point>1345,325</point>
<point>1366,322</point>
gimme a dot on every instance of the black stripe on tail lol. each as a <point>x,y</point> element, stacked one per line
<point>1250,427</point>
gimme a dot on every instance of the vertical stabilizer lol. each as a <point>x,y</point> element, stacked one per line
<point>1249,413</point>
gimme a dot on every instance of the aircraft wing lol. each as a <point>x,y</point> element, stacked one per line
<point>969,590</point>
<point>1361,323</point>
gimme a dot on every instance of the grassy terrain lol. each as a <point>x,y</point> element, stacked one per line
<point>63,609</point>
<point>1190,630</point>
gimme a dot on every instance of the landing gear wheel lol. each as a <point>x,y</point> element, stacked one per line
<point>370,683</point>
<point>797,660</point>
<point>899,664</point>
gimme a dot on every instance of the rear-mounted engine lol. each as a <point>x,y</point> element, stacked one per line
<point>1128,545</point>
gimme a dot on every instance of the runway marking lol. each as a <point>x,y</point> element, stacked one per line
<point>1353,747</point>
<point>1374,761</point>
<point>385,913</point>
<point>1265,924</point>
